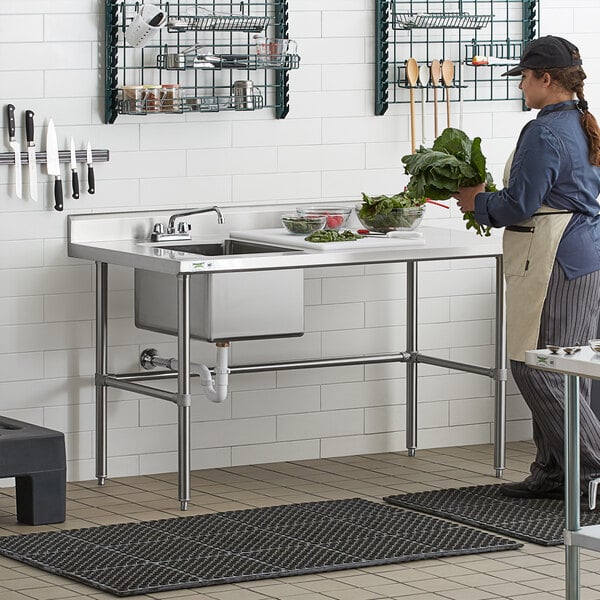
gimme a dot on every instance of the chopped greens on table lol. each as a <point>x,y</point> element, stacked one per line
<point>452,162</point>
<point>332,235</point>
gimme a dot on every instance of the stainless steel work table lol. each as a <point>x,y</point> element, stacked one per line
<point>584,363</point>
<point>118,239</point>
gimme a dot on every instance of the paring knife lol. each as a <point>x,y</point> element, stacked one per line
<point>16,147</point>
<point>53,164</point>
<point>74,175</point>
<point>90,165</point>
<point>31,158</point>
<point>407,235</point>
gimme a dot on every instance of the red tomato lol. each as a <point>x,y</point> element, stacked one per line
<point>334,221</point>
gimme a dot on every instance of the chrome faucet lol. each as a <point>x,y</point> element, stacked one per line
<point>183,229</point>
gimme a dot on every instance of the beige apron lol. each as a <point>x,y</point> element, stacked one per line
<point>529,250</point>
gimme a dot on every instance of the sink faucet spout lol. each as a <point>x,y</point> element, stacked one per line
<point>187,213</point>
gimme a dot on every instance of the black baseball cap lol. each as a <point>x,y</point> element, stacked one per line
<point>548,52</point>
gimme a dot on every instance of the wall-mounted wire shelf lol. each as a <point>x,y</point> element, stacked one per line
<point>440,21</point>
<point>182,62</point>
<point>200,104</point>
<point>179,24</point>
<point>226,28</point>
<point>455,31</point>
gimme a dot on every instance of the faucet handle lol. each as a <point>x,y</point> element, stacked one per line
<point>183,227</point>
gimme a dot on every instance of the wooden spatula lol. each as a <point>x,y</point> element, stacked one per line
<point>435,70</point>
<point>412,76</point>
<point>447,79</point>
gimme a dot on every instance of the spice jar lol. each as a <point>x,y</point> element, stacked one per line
<point>171,97</point>
<point>133,96</point>
<point>152,94</point>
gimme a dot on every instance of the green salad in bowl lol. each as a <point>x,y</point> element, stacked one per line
<point>391,213</point>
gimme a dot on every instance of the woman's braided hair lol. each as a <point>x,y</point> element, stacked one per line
<point>571,79</point>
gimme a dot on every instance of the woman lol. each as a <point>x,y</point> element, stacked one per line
<point>549,208</point>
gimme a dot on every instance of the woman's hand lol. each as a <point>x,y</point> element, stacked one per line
<point>466,197</point>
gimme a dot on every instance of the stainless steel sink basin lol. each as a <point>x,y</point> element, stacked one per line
<point>224,306</point>
<point>226,247</point>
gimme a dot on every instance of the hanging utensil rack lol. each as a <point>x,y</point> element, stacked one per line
<point>456,31</point>
<point>227,27</point>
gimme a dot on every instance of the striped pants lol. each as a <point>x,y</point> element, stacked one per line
<point>569,318</point>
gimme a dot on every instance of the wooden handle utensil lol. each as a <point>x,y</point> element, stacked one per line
<point>412,76</point>
<point>435,71</point>
<point>447,79</point>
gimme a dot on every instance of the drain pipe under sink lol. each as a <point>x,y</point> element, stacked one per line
<point>214,389</point>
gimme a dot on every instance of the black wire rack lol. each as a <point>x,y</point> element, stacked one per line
<point>226,28</point>
<point>482,38</point>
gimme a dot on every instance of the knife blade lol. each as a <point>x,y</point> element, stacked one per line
<point>74,175</point>
<point>90,165</point>
<point>53,164</point>
<point>31,157</point>
<point>16,147</point>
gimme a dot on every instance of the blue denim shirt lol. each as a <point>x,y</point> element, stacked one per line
<point>551,167</point>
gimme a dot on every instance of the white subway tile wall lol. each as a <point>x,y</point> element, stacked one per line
<point>331,147</point>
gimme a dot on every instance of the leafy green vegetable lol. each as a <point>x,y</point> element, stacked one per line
<point>452,162</point>
<point>381,213</point>
<point>332,235</point>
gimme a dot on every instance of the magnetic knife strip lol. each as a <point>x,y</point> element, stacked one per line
<point>64,156</point>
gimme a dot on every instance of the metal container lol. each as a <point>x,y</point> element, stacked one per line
<point>243,92</point>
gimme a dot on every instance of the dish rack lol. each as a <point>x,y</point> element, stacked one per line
<point>459,20</point>
<point>201,83</point>
<point>217,23</point>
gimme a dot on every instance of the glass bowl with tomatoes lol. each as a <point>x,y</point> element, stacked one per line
<point>336,216</point>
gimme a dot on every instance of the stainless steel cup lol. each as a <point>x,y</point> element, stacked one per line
<point>243,92</point>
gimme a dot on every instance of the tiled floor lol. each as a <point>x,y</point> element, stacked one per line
<point>531,573</point>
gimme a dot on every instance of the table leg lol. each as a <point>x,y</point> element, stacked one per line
<point>183,388</point>
<point>411,347</point>
<point>101,369</point>
<point>572,492</point>
<point>501,373</point>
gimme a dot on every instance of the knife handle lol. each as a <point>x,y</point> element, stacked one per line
<point>29,126</point>
<point>58,194</point>
<point>91,180</point>
<point>12,128</point>
<point>75,183</point>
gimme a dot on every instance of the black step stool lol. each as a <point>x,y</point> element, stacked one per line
<point>35,457</point>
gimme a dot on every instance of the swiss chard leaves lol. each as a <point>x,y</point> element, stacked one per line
<point>452,162</point>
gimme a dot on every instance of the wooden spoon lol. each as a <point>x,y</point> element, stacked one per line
<point>447,79</point>
<point>435,70</point>
<point>423,82</point>
<point>412,75</point>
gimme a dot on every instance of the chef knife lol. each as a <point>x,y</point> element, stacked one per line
<point>90,165</point>
<point>31,157</point>
<point>53,164</point>
<point>74,175</point>
<point>16,147</point>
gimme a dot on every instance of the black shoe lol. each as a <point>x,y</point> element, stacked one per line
<point>522,489</point>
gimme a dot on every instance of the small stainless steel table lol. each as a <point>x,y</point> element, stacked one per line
<point>584,363</point>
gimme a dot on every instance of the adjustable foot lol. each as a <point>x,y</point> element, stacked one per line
<point>183,505</point>
<point>499,473</point>
<point>412,451</point>
<point>101,480</point>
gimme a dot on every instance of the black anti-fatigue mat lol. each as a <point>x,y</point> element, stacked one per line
<point>259,543</point>
<point>540,521</point>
